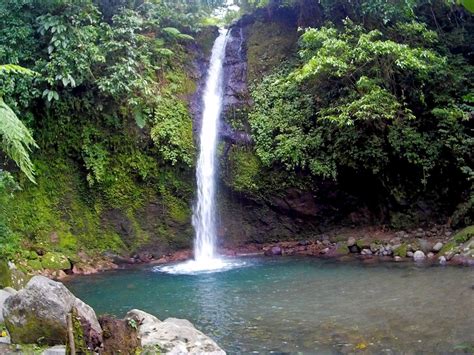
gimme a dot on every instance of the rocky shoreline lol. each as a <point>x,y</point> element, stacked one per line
<point>45,318</point>
<point>436,245</point>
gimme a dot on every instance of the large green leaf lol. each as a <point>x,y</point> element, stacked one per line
<point>17,140</point>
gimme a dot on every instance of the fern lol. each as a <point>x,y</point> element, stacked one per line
<point>13,68</point>
<point>17,140</point>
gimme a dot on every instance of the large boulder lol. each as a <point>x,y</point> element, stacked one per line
<point>4,294</point>
<point>173,336</point>
<point>40,309</point>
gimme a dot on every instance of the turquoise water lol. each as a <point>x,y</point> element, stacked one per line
<point>289,305</point>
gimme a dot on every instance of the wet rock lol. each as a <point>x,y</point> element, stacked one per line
<point>176,336</point>
<point>351,242</point>
<point>366,252</point>
<point>374,247</point>
<point>425,245</point>
<point>437,247</point>
<point>410,254</point>
<point>449,255</point>
<point>398,258</point>
<point>430,255</point>
<point>39,311</point>
<point>55,350</point>
<point>442,260</point>
<point>274,251</point>
<point>419,256</point>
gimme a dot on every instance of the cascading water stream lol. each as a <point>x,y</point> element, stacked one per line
<point>204,212</point>
<point>205,257</point>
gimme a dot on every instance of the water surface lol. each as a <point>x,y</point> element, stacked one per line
<point>303,305</point>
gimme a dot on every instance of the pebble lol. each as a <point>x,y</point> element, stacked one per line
<point>442,260</point>
<point>351,242</point>
<point>410,254</point>
<point>366,252</point>
<point>430,255</point>
<point>398,258</point>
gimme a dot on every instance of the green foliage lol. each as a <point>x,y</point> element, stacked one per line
<point>244,170</point>
<point>349,105</point>
<point>17,140</point>
<point>172,131</point>
<point>371,102</point>
<point>464,235</point>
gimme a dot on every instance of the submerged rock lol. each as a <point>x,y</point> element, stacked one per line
<point>175,336</point>
<point>40,309</point>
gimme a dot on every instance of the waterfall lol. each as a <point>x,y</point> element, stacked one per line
<point>204,211</point>
<point>205,257</point>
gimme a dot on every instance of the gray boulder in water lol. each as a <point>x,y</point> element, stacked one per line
<point>172,336</point>
<point>39,312</point>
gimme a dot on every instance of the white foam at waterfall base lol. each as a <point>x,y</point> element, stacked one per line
<point>193,267</point>
<point>205,257</point>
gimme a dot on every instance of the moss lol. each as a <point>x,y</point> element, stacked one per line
<point>401,250</point>
<point>32,331</point>
<point>243,170</point>
<point>205,39</point>
<point>32,255</point>
<point>268,45</point>
<point>464,235</point>
<point>447,247</point>
<point>78,332</point>
<point>18,279</point>
<point>362,243</point>
<point>34,264</point>
<point>5,274</point>
<point>342,249</point>
<point>55,261</point>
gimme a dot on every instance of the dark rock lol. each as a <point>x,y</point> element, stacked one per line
<point>120,336</point>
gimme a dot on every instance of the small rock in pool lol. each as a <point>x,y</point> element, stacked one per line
<point>276,251</point>
<point>419,256</point>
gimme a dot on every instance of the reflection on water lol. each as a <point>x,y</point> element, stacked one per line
<point>308,305</point>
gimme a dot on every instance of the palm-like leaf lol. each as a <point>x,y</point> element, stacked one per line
<point>16,140</point>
